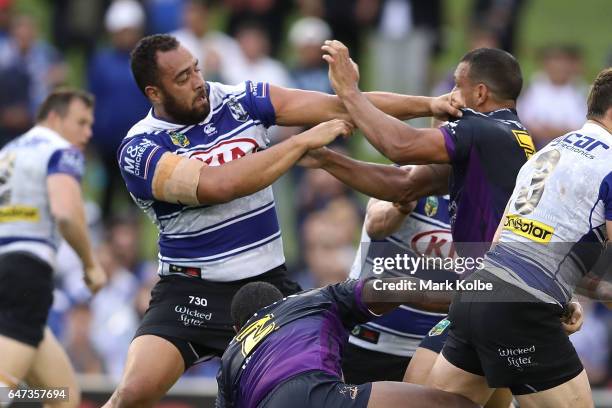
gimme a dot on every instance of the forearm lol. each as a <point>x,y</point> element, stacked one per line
<point>73,229</point>
<point>386,133</point>
<point>380,181</point>
<point>384,295</point>
<point>383,219</point>
<point>401,106</point>
<point>250,173</point>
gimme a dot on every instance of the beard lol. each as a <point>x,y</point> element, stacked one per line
<point>186,115</point>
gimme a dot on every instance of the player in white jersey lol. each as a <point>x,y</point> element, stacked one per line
<point>201,167</point>
<point>40,203</point>
<point>560,210</point>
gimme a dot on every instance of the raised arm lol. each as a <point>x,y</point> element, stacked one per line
<point>395,139</point>
<point>295,107</point>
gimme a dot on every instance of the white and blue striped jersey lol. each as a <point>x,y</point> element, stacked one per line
<point>227,242</point>
<point>556,216</point>
<point>26,223</point>
<point>425,232</point>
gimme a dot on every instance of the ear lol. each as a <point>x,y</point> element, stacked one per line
<point>482,94</point>
<point>153,94</point>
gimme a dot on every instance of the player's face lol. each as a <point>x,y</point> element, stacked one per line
<point>182,87</point>
<point>465,91</point>
<point>76,125</point>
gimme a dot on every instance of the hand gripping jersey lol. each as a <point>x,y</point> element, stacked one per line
<point>26,223</point>
<point>223,242</point>
<point>425,232</point>
<point>300,333</point>
<point>486,151</point>
<point>557,214</point>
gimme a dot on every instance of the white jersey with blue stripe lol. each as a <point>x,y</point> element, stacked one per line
<point>556,215</point>
<point>425,232</point>
<point>227,242</point>
<point>26,222</point>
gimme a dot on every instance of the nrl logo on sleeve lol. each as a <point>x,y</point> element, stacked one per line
<point>237,110</point>
<point>439,328</point>
<point>179,139</point>
<point>431,206</point>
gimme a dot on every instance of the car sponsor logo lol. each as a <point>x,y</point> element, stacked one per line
<point>225,151</point>
<point>438,243</point>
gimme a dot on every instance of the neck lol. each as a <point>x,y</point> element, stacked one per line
<point>160,113</point>
<point>606,124</point>
<point>490,106</point>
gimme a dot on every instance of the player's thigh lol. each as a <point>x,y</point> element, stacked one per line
<point>153,365</point>
<point>396,394</point>
<point>445,376</point>
<point>420,366</point>
<point>17,357</point>
<point>52,369</point>
<point>501,398</point>
<point>575,393</point>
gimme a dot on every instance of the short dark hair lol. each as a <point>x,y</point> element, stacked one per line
<point>143,59</point>
<point>59,100</point>
<point>600,96</point>
<point>497,69</point>
<point>250,298</point>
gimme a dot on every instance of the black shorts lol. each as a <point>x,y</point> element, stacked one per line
<point>194,314</point>
<point>436,337</point>
<point>317,389</point>
<point>361,365</point>
<point>26,296</point>
<point>520,345</point>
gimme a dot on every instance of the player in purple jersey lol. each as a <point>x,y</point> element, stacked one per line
<point>485,147</point>
<point>288,353</point>
<point>200,166</point>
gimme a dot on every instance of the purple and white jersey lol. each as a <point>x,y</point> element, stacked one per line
<point>227,242</point>
<point>26,223</point>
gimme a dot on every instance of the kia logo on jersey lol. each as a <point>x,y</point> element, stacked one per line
<point>226,151</point>
<point>437,243</point>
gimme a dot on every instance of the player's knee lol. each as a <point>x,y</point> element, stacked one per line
<point>134,394</point>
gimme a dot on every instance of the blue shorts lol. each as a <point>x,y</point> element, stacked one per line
<point>436,337</point>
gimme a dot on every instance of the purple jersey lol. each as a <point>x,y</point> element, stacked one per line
<point>486,150</point>
<point>304,332</point>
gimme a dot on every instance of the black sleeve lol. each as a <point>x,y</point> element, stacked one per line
<point>349,304</point>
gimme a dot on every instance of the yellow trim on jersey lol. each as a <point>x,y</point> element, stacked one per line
<point>14,213</point>
<point>524,140</point>
<point>531,229</point>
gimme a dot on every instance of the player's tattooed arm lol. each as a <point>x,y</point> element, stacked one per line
<point>382,295</point>
<point>188,181</point>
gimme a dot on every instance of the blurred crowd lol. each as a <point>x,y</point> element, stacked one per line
<point>276,41</point>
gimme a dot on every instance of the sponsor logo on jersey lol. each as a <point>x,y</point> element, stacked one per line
<point>436,243</point>
<point>439,328</point>
<point>431,206</point>
<point>210,129</point>
<point>19,213</point>
<point>531,229</point>
<point>179,139</point>
<point>255,332</point>
<point>135,159</point>
<point>225,151</point>
<point>524,140</point>
<point>237,110</point>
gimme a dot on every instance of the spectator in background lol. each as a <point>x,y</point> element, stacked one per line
<point>258,65</point>
<point>42,63</point>
<point>268,14</point>
<point>15,115</point>
<point>76,340</point>
<point>555,101</point>
<point>77,24</point>
<point>119,102</point>
<point>403,44</point>
<point>500,15</point>
<point>6,12</point>
<point>306,37</point>
<point>214,50</point>
<point>163,16</point>
<point>114,318</point>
